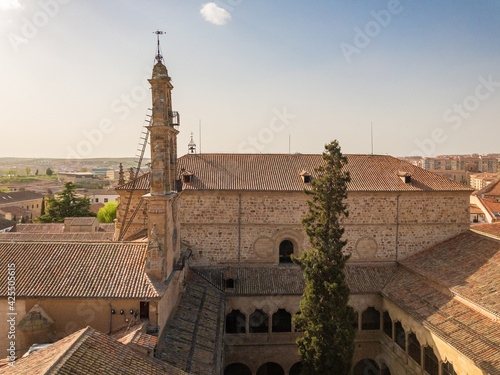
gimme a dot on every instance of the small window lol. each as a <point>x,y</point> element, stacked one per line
<point>144,310</point>
<point>286,251</point>
<point>230,283</point>
<point>105,200</point>
<point>32,206</point>
<point>97,200</point>
<point>448,369</point>
<point>37,205</point>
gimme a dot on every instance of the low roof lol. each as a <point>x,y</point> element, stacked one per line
<point>491,229</point>
<point>78,270</point>
<point>19,196</point>
<point>56,237</point>
<point>5,223</point>
<point>89,352</point>
<point>493,188</point>
<point>288,280</point>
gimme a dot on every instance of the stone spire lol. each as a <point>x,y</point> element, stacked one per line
<point>121,176</point>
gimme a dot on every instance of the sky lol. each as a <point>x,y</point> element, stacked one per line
<point>260,76</point>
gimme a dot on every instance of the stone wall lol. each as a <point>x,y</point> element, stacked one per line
<point>231,226</point>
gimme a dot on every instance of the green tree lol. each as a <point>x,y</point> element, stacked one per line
<point>327,346</point>
<point>49,172</point>
<point>23,220</point>
<point>42,209</point>
<point>27,170</point>
<point>107,214</point>
<point>11,172</point>
<point>65,204</point>
<point>4,189</point>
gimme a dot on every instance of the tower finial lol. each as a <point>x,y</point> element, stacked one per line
<point>191,146</point>
<point>158,56</point>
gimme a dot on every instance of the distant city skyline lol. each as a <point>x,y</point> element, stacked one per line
<point>425,74</point>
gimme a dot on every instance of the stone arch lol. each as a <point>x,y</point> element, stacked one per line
<point>295,369</point>
<point>366,367</point>
<point>270,368</point>
<point>258,322</point>
<point>281,321</point>
<point>288,235</point>
<point>237,369</point>
<point>370,319</point>
<point>414,347</point>
<point>235,322</point>
<point>431,361</point>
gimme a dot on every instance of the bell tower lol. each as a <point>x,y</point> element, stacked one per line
<point>163,224</point>
<point>163,132</point>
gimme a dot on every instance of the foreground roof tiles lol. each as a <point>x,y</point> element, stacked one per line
<point>492,229</point>
<point>78,270</point>
<point>89,352</point>
<point>281,172</point>
<point>193,337</point>
<point>48,237</point>
<point>467,264</point>
<point>475,335</point>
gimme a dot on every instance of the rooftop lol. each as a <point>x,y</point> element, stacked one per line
<point>89,352</point>
<point>78,270</point>
<point>492,189</point>
<point>18,196</point>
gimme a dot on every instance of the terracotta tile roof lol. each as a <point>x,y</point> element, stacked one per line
<point>140,183</point>
<point>474,209</point>
<point>492,205</point>
<point>89,352</point>
<point>473,334</point>
<point>41,228</point>
<point>492,229</point>
<point>281,172</point>
<point>80,221</point>
<point>18,196</point>
<point>492,189</point>
<point>4,224</point>
<point>141,339</point>
<point>78,270</point>
<point>106,227</point>
<point>288,280</point>
<point>193,337</point>
<point>56,237</point>
<point>467,264</point>
<point>16,211</point>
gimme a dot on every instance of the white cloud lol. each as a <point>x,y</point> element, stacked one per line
<point>214,14</point>
<point>10,4</point>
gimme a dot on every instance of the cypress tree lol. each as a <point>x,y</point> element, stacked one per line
<point>327,346</point>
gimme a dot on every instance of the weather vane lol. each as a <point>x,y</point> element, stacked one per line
<point>158,57</point>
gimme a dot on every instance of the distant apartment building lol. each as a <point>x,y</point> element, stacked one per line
<point>479,181</point>
<point>113,174</point>
<point>76,176</point>
<point>101,195</point>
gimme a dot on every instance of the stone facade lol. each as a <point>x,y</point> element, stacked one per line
<point>231,226</point>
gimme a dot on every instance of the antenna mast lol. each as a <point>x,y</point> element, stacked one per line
<point>158,56</point>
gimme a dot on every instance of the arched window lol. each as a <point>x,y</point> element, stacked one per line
<point>295,369</point>
<point>387,324</point>
<point>237,369</point>
<point>370,319</point>
<point>286,251</point>
<point>235,322</point>
<point>258,322</point>
<point>414,349</point>
<point>366,367</point>
<point>229,283</point>
<point>282,321</point>
<point>400,335</point>
<point>270,368</point>
<point>448,369</point>
<point>431,363</point>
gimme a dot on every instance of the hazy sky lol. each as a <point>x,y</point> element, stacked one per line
<point>74,75</point>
